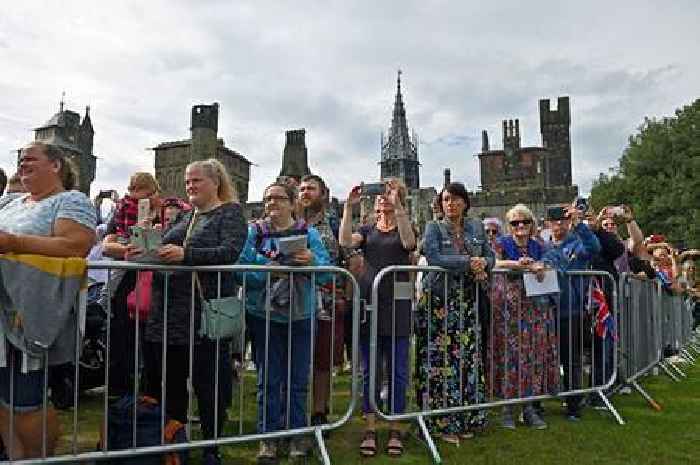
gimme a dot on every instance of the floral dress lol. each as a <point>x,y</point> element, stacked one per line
<point>449,367</point>
<point>523,339</point>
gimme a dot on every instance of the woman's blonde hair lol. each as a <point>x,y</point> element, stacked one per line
<point>521,209</point>
<point>67,171</point>
<point>143,180</point>
<point>215,170</point>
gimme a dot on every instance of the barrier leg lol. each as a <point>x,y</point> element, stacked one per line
<point>664,367</point>
<point>610,407</point>
<point>688,356</point>
<point>646,396</point>
<point>322,447</point>
<point>429,440</point>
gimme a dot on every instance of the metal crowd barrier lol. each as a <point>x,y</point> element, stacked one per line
<point>641,343</point>
<point>570,326</point>
<point>74,452</point>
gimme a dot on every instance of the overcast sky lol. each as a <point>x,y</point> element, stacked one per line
<point>330,67</point>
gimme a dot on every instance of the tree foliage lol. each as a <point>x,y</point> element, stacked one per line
<point>659,177</point>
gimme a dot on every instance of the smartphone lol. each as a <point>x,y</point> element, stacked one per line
<point>374,188</point>
<point>143,211</point>
<point>581,204</point>
<point>616,211</point>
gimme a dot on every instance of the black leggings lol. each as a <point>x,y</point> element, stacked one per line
<point>203,380</point>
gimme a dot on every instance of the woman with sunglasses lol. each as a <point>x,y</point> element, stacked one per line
<point>523,336</point>
<point>450,370</point>
<point>493,229</point>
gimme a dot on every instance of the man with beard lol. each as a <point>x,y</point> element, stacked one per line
<point>312,204</point>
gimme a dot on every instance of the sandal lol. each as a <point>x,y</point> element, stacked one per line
<point>368,446</point>
<point>394,447</point>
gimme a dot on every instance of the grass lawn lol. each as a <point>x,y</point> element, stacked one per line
<point>671,436</point>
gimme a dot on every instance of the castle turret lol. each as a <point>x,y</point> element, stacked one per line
<point>555,127</point>
<point>295,158</point>
<point>204,128</point>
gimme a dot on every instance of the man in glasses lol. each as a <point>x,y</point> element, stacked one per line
<point>572,248</point>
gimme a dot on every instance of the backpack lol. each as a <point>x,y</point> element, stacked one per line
<point>148,431</point>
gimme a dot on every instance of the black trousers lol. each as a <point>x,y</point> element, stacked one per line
<point>570,356</point>
<point>203,380</point>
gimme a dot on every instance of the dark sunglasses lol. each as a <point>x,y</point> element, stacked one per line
<point>491,231</point>
<point>517,223</point>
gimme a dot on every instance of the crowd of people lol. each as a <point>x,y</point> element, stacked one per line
<point>479,335</point>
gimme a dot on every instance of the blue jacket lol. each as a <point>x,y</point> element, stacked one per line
<point>574,253</point>
<point>256,281</point>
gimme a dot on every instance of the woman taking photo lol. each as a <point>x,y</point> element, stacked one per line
<point>524,338</point>
<point>212,234</point>
<point>388,242</point>
<point>272,312</point>
<point>55,221</point>
<point>448,330</point>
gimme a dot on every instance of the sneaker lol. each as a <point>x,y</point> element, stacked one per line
<point>573,417</point>
<point>532,419</point>
<point>267,455</point>
<point>626,390</point>
<point>298,447</point>
<point>507,420</point>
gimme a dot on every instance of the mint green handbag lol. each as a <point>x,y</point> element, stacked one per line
<point>221,318</point>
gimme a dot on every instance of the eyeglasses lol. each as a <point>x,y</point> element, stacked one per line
<point>516,223</point>
<point>491,231</point>
<point>270,198</point>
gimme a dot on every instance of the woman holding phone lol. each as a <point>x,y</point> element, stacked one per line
<point>387,242</point>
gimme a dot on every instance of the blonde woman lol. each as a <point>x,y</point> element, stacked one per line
<point>523,333</point>
<point>213,233</point>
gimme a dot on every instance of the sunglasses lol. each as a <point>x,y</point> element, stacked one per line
<point>516,223</point>
<point>491,231</point>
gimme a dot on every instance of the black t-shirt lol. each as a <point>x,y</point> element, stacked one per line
<point>382,249</point>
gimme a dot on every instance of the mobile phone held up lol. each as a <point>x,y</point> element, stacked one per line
<point>581,204</point>
<point>374,188</point>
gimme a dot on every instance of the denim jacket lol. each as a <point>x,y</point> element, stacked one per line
<point>439,250</point>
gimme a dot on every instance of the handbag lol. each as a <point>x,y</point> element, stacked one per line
<point>221,318</point>
<point>138,301</point>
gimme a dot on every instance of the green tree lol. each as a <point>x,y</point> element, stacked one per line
<point>659,177</point>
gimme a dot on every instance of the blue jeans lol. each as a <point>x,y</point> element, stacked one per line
<point>398,376</point>
<point>277,370</point>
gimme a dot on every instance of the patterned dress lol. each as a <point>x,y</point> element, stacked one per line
<point>523,338</point>
<point>450,371</point>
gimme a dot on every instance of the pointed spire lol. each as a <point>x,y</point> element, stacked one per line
<point>63,98</point>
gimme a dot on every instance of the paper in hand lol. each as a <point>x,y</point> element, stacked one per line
<point>549,285</point>
<point>290,244</point>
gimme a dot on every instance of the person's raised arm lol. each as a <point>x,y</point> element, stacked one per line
<point>346,238</point>
<point>403,223</point>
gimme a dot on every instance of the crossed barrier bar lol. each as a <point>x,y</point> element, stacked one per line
<point>646,321</point>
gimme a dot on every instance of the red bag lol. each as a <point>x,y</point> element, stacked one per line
<point>143,291</point>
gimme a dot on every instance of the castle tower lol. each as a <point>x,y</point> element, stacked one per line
<point>295,158</point>
<point>555,127</point>
<point>204,128</point>
<point>399,150</point>
<point>65,130</point>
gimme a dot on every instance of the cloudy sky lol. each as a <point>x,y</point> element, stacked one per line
<point>330,67</point>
